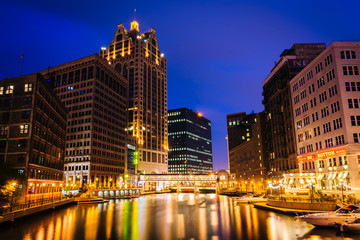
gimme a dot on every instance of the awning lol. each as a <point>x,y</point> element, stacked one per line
<point>340,175</point>
<point>291,181</point>
<point>320,176</point>
<point>329,176</point>
<point>333,176</point>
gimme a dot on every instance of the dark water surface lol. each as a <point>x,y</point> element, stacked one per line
<point>166,216</point>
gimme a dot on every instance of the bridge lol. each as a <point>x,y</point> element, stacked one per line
<point>179,182</point>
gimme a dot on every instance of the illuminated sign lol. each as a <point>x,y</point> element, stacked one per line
<point>322,155</point>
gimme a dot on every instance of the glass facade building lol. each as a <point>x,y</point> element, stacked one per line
<point>190,146</point>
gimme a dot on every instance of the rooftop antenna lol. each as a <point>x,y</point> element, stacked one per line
<point>134,13</point>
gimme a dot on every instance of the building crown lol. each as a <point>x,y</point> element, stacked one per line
<point>134,26</point>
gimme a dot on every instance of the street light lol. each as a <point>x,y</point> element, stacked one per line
<point>52,192</point>
<point>342,189</point>
<point>12,195</point>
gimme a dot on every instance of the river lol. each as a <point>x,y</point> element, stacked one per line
<point>166,216</point>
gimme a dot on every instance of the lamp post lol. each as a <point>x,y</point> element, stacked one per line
<point>30,194</point>
<point>12,196</point>
<point>246,186</point>
<point>43,191</point>
<point>342,189</point>
<point>52,192</point>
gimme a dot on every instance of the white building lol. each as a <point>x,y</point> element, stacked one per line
<point>326,104</point>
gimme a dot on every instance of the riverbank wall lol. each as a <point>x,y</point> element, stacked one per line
<point>16,215</point>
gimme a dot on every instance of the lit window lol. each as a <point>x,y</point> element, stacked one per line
<point>28,87</point>
<point>1,90</point>
<point>9,89</point>
<point>24,128</point>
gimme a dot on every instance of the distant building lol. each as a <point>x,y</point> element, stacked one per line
<point>246,150</point>
<point>95,95</point>
<point>189,142</point>
<point>32,134</point>
<point>280,135</point>
<point>138,58</point>
<point>326,107</point>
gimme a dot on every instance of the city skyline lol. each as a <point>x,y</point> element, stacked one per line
<point>198,53</point>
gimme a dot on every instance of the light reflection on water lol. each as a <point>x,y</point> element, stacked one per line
<point>166,216</point>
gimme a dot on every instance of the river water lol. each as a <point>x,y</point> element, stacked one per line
<point>166,216</point>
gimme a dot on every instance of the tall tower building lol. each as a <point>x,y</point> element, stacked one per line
<point>138,58</point>
<point>190,142</point>
<point>95,96</point>
<point>280,137</point>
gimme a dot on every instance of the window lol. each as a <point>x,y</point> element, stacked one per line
<point>1,90</point>
<point>296,99</point>
<point>353,103</point>
<point>350,70</point>
<point>304,107</point>
<point>332,90</point>
<point>328,60</point>
<point>25,114</point>
<point>306,121</point>
<point>356,137</point>
<point>295,87</point>
<point>337,123</point>
<point>297,111</point>
<point>322,97</point>
<point>315,117</point>
<point>299,124</point>
<point>330,75</point>
<point>28,87</point>
<point>301,81</point>
<point>300,137</point>
<point>317,131</point>
<point>303,94</point>
<point>327,127</point>
<point>27,100</point>
<point>324,112</point>
<point>329,143</point>
<point>335,107</point>
<point>347,54</point>
<point>355,120</point>
<point>320,82</point>
<point>311,88</point>
<point>309,75</point>
<point>24,128</point>
<point>3,131</point>
<point>352,86</point>
<point>318,68</point>
<point>339,140</point>
<point>9,89</point>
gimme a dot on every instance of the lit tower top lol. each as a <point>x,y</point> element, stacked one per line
<point>134,26</point>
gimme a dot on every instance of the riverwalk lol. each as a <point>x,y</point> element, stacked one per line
<point>25,212</point>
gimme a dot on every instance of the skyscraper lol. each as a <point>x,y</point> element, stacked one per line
<point>138,58</point>
<point>95,95</point>
<point>189,142</point>
<point>280,135</point>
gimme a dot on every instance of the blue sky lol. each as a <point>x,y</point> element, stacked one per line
<point>218,52</point>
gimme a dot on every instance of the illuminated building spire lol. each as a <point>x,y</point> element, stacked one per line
<point>134,24</point>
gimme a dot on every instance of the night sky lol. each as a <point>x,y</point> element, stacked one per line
<point>218,52</point>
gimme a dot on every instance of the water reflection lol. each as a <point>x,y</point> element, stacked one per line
<point>166,216</point>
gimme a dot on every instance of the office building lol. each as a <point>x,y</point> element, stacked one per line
<point>190,146</point>
<point>325,98</point>
<point>32,134</point>
<point>246,151</point>
<point>280,135</point>
<point>138,58</point>
<point>95,96</point>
